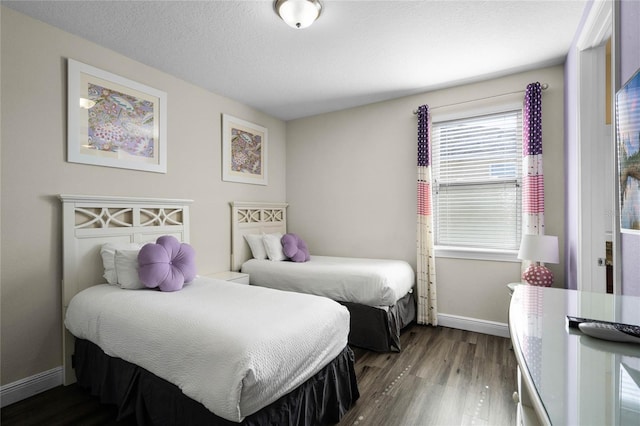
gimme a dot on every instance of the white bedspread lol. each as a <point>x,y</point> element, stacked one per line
<point>234,348</point>
<point>372,282</point>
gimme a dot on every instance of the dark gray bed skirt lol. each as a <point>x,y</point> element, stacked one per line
<point>323,399</point>
<point>378,329</point>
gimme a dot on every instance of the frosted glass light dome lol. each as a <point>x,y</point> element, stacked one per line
<point>298,13</point>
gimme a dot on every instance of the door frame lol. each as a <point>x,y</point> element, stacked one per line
<point>597,29</point>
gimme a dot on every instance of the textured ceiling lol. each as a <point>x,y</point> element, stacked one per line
<point>358,52</point>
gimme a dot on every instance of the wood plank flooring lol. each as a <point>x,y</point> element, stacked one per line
<point>443,376</point>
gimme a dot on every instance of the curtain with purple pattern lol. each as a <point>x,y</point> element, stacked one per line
<point>532,175</point>
<point>426,273</point>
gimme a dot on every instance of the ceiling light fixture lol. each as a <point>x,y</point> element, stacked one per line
<point>298,13</point>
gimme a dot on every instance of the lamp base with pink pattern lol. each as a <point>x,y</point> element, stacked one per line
<point>538,275</point>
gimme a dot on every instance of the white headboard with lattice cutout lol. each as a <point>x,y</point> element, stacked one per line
<point>253,218</point>
<point>90,221</point>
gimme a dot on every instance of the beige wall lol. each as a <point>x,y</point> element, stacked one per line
<point>351,185</point>
<point>34,171</point>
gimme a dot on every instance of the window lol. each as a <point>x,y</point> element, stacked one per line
<point>477,169</point>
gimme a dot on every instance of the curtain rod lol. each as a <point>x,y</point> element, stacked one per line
<point>544,86</point>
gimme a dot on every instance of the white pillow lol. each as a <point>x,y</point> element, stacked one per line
<point>127,269</point>
<point>273,246</point>
<point>256,245</point>
<point>108,253</point>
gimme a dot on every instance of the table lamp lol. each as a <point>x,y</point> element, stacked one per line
<point>538,248</point>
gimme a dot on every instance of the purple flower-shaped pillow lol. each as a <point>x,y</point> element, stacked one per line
<point>166,264</point>
<point>295,248</point>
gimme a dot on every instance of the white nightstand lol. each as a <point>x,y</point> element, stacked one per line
<point>236,277</point>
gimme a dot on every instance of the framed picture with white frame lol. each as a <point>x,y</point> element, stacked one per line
<point>114,121</point>
<point>244,151</point>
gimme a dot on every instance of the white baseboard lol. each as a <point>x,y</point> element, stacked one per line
<point>474,324</point>
<point>25,388</point>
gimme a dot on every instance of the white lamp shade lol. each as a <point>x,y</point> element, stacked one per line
<point>298,13</point>
<point>539,248</point>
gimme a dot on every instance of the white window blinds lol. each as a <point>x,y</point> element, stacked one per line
<point>477,169</point>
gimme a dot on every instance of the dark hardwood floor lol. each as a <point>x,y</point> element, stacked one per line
<point>443,376</point>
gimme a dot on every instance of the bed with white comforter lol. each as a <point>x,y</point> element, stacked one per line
<point>233,348</point>
<point>371,282</point>
<point>377,292</point>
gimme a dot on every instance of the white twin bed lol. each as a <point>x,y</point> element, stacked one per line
<point>214,352</point>
<point>370,282</point>
<point>377,292</point>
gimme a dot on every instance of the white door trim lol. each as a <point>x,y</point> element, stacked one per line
<point>591,131</point>
<point>598,25</point>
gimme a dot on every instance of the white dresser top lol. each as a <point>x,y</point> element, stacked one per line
<point>579,380</point>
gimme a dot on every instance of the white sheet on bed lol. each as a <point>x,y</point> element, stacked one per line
<point>372,282</point>
<point>234,348</point>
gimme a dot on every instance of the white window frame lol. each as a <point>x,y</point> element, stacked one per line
<point>457,112</point>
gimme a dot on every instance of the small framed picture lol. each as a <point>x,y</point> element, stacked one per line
<point>244,151</point>
<point>115,122</point>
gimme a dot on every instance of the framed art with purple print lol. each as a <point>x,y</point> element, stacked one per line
<point>244,151</point>
<point>628,139</point>
<point>114,121</point>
